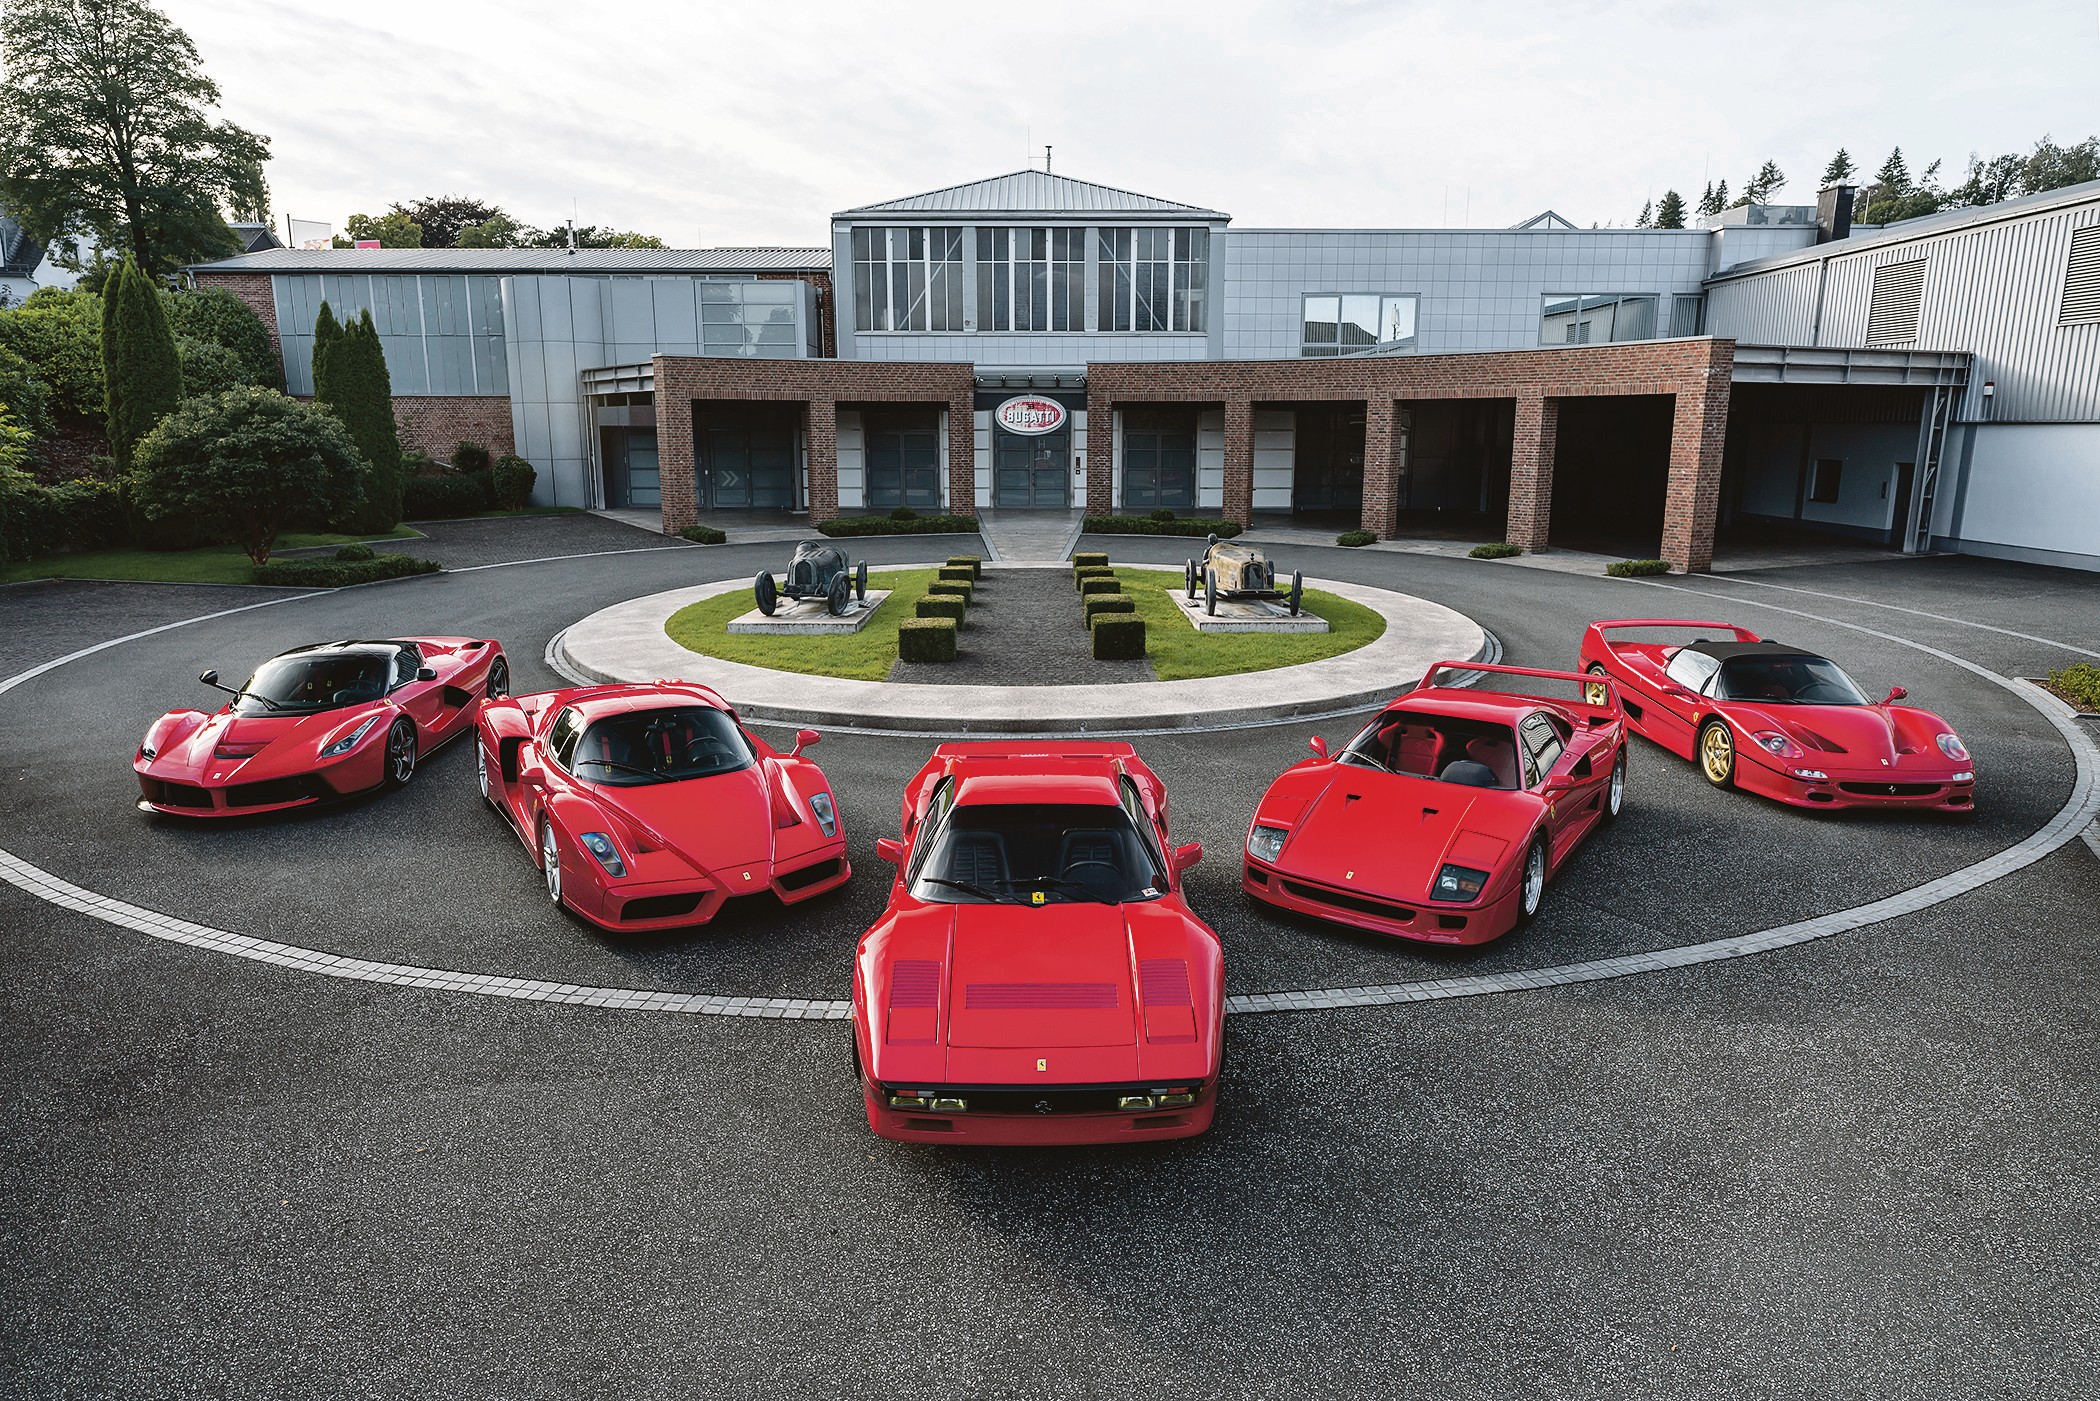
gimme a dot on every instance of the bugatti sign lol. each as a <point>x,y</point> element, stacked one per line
<point>1028,414</point>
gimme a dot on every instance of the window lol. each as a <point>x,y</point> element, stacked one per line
<point>1031,279</point>
<point>1592,318</point>
<point>1543,745</point>
<point>561,740</point>
<point>1688,314</point>
<point>1892,309</point>
<point>1691,670</point>
<point>1824,474</point>
<point>1336,323</point>
<point>907,279</point>
<point>1154,279</point>
<point>2082,278</point>
<point>643,747</point>
<point>749,318</point>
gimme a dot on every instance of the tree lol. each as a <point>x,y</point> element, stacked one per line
<point>1893,179</point>
<point>1720,196</point>
<point>105,130</point>
<point>141,368</point>
<point>1839,171</point>
<point>351,382</point>
<point>328,332</point>
<point>1988,182</point>
<point>2051,167</point>
<point>1647,219</point>
<point>16,442</point>
<point>1706,201</point>
<point>23,394</point>
<point>593,236</point>
<point>1895,195</point>
<point>216,316</point>
<point>59,334</point>
<point>1766,183</point>
<point>443,218</point>
<point>499,230</point>
<point>1671,214</point>
<point>393,230</point>
<point>251,460</point>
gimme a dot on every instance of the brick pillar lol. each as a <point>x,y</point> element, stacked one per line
<point>822,452</point>
<point>1100,455</point>
<point>1698,431</point>
<point>674,452</point>
<point>1239,461</point>
<point>1381,477</point>
<point>1531,470</point>
<point>962,452</point>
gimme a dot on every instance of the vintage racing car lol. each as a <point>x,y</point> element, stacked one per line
<point>818,570</point>
<point>1233,571</point>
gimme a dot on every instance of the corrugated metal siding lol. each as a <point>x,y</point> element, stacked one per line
<point>1029,191</point>
<point>1777,308</point>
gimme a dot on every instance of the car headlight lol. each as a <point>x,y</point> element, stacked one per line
<point>147,751</point>
<point>1814,775</point>
<point>1773,742</point>
<point>827,816</point>
<point>1952,747</point>
<point>1965,776</point>
<point>1266,843</point>
<point>1458,883</point>
<point>601,846</point>
<point>349,742</point>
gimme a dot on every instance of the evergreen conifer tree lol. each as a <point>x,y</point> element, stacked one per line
<point>1647,219</point>
<point>1839,170</point>
<point>1671,214</point>
<point>1706,201</point>
<point>141,370</point>
<point>327,331</point>
<point>351,382</point>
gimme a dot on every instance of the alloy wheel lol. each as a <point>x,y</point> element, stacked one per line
<point>1534,878</point>
<point>498,682</point>
<point>1717,753</point>
<point>401,753</point>
<point>481,770</point>
<point>1617,797</point>
<point>550,860</point>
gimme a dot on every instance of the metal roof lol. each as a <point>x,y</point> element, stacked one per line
<point>1926,227</point>
<point>1031,192</point>
<point>19,253</point>
<point>543,260</point>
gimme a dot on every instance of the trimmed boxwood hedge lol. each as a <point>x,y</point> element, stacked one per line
<point>884,525</point>
<point>940,605</point>
<point>1100,603</point>
<point>1635,568</point>
<point>1090,559</point>
<point>973,563</point>
<point>1118,639</point>
<point>1098,586</point>
<point>1355,537</point>
<point>1092,571</point>
<point>962,587</point>
<point>441,498</point>
<point>961,572</point>
<point>339,573</point>
<point>1145,525</point>
<point>926,640</point>
<point>1501,549</point>
<point>704,535</point>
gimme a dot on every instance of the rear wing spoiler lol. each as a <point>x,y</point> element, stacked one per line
<point>1597,692</point>
<point>1737,632</point>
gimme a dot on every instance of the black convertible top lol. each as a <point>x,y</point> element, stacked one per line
<point>1727,651</point>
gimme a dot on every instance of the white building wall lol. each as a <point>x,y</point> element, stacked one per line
<point>2031,491</point>
<point>1275,459</point>
<point>853,461</point>
<point>982,436</point>
<point>1078,421</point>
<point>1210,460</point>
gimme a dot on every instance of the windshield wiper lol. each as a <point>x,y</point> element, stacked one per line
<point>964,886</point>
<point>1062,883</point>
<point>1352,756</point>
<point>650,774</point>
<point>257,695</point>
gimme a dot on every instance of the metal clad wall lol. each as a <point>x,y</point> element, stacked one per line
<point>1777,309</point>
<point>442,332</point>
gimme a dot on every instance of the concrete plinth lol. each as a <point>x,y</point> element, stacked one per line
<point>809,617</point>
<point>1244,615</point>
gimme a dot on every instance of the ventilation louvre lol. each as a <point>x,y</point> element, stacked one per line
<point>2082,278</point>
<point>1892,313</point>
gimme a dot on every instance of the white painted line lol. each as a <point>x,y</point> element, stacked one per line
<point>1898,608</point>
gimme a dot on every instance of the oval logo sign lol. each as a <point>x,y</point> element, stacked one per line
<point>1030,414</point>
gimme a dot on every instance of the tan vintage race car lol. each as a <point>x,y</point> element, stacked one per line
<point>1239,572</point>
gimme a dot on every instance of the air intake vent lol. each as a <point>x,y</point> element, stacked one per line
<point>1070,997</point>
<point>1164,982</point>
<point>1892,314</point>
<point>2082,278</point>
<point>915,982</point>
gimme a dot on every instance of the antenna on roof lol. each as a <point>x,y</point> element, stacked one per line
<point>572,236</point>
<point>1046,160</point>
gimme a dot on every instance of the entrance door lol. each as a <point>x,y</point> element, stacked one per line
<point>746,461</point>
<point>1031,472</point>
<point>1899,523</point>
<point>1159,460</point>
<point>631,476</point>
<point>904,459</point>
<point>1328,469</point>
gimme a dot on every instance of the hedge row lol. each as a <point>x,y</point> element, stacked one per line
<point>1097,604</point>
<point>1145,525</point>
<point>1354,538</point>
<point>704,535</point>
<point>883,525</point>
<point>1500,549</point>
<point>941,605</point>
<point>1118,638</point>
<point>1636,568</point>
<point>339,573</point>
<point>973,563</point>
<point>963,588</point>
<point>926,640</point>
<point>446,498</point>
<point>84,514</point>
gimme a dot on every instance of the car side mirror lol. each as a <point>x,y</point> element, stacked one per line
<point>1896,693</point>
<point>1187,856</point>
<point>804,739</point>
<point>425,673</point>
<point>1318,746</point>
<point>890,849</point>
<point>209,678</point>
<point>1557,783</point>
<point>531,771</point>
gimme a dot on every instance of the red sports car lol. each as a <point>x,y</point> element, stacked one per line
<point>316,723</point>
<point>1446,816</point>
<point>648,806</point>
<point>1037,977</point>
<point>1780,721</point>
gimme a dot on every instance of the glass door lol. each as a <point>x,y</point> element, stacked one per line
<point>1031,472</point>
<point>904,459</point>
<point>746,461</point>
<point>1159,461</point>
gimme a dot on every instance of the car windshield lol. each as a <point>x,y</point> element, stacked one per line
<point>1787,681</point>
<point>1476,753</point>
<point>661,746</point>
<point>304,684</point>
<point>1026,854</point>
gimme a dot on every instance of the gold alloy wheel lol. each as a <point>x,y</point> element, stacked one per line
<point>1717,753</point>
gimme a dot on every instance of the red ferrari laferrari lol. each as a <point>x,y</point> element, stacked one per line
<point>1037,977</point>
<point>648,806</point>
<point>1780,721</point>
<point>316,723</point>
<point>1445,817</point>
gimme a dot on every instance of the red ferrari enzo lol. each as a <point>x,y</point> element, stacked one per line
<point>1779,721</point>
<point>1037,977</point>
<point>648,806</point>
<point>316,723</point>
<point>1446,816</point>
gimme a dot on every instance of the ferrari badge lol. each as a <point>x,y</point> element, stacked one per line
<point>1042,1062</point>
<point>1036,897</point>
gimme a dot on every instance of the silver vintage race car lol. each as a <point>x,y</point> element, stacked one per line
<point>818,570</point>
<point>1234,571</point>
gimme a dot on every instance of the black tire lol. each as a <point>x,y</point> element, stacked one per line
<point>860,582</point>
<point>768,594</point>
<point>1210,592</point>
<point>498,683</point>
<point>1297,592</point>
<point>839,595</point>
<point>1715,753</point>
<point>1188,579</point>
<point>1530,896</point>
<point>1615,790</point>
<point>400,758</point>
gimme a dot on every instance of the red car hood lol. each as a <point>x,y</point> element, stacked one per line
<point>1048,976</point>
<point>1872,737</point>
<point>711,824</point>
<point>229,748</point>
<point>1389,834</point>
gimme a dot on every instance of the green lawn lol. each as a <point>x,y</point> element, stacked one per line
<point>1178,652</point>
<point>214,564</point>
<point>862,656</point>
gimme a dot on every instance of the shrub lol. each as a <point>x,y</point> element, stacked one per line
<point>1092,571</point>
<point>961,588</point>
<point>1500,549</point>
<point>887,525</point>
<point>354,554</point>
<point>485,483</point>
<point>208,368</point>
<point>141,368</point>
<point>1118,639</point>
<point>973,563</point>
<point>23,395</point>
<point>351,382</point>
<point>512,481</point>
<point>941,605</point>
<point>83,514</point>
<point>441,498</point>
<point>471,457</point>
<point>1635,568</point>
<point>331,574</point>
<point>958,571</point>
<point>1090,559</point>
<point>1354,538</point>
<point>1097,604</point>
<point>904,513</point>
<point>250,458</point>
<point>216,317</point>
<point>704,535</point>
<point>926,640</point>
<point>59,336</point>
<point>1145,525</point>
<point>1162,515</point>
<point>2081,684</point>
<point>1099,586</point>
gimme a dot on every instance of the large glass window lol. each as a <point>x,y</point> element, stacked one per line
<point>1337,323</point>
<point>907,279</point>
<point>1031,279</point>
<point>1591,318</point>
<point>1154,279</point>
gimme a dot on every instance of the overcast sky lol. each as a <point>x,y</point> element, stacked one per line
<point>739,123</point>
